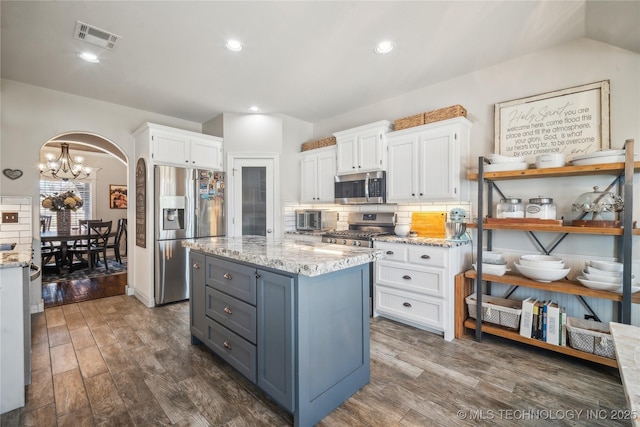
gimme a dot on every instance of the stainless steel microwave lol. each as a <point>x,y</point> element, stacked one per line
<point>316,220</point>
<point>361,188</point>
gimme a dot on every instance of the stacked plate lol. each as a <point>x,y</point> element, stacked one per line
<point>542,268</point>
<point>604,276</point>
<point>493,263</point>
<point>505,163</point>
<point>599,157</point>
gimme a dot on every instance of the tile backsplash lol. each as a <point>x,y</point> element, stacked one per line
<point>402,211</point>
<point>19,232</point>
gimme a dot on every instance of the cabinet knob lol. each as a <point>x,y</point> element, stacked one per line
<point>227,345</point>
<point>196,266</point>
<point>421,194</point>
<point>227,310</point>
<point>406,277</point>
<point>353,167</point>
<point>413,194</point>
<point>227,276</point>
<point>389,252</point>
<point>406,304</point>
<point>425,257</point>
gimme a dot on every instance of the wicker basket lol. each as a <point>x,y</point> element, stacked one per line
<point>312,145</point>
<point>409,122</point>
<point>591,337</point>
<point>499,311</point>
<point>445,113</point>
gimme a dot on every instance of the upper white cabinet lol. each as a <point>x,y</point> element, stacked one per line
<point>318,168</point>
<point>428,162</point>
<point>183,148</point>
<point>362,149</point>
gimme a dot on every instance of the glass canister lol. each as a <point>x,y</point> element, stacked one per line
<point>511,207</point>
<point>541,207</point>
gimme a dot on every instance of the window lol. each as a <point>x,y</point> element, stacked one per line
<point>81,188</point>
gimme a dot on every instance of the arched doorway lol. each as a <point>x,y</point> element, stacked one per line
<point>67,276</point>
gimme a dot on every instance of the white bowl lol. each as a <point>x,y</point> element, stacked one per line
<point>495,269</point>
<point>542,261</point>
<point>556,160</point>
<point>611,266</point>
<point>600,286</point>
<point>599,278</point>
<point>492,257</point>
<point>634,288</point>
<point>542,274</point>
<point>497,158</point>
<point>590,269</point>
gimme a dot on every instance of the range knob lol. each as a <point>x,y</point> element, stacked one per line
<point>357,243</point>
<point>344,242</point>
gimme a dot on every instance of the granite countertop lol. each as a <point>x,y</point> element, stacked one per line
<point>424,241</point>
<point>293,256</point>
<point>15,258</point>
<point>626,339</point>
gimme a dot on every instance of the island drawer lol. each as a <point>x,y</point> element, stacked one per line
<point>235,350</point>
<point>232,279</point>
<point>232,313</point>
<point>422,280</point>
<point>410,307</point>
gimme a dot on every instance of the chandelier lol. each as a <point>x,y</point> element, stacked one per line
<point>64,167</point>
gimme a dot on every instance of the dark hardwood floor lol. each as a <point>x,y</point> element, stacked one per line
<point>73,291</point>
<point>115,362</point>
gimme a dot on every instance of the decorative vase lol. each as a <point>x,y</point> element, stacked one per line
<point>64,221</point>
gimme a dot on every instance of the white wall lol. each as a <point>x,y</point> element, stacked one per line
<point>32,115</point>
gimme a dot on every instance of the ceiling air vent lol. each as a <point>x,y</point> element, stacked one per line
<point>95,36</point>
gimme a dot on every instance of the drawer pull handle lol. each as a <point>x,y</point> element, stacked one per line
<point>227,345</point>
<point>406,304</point>
<point>406,277</point>
<point>425,257</point>
<point>227,310</point>
<point>227,276</point>
<point>196,266</point>
<point>389,252</point>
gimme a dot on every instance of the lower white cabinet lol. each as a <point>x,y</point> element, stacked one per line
<point>414,284</point>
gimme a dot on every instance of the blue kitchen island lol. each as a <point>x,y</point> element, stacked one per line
<point>291,316</point>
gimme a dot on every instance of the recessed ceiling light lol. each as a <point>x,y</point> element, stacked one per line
<point>89,57</point>
<point>234,45</point>
<point>385,47</point>
<point>254,109</point>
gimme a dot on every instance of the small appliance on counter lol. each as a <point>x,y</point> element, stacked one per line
<point>316,220</point>
<point>456,226</point>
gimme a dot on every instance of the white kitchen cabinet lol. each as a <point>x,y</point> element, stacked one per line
<point>317,170</point>
<point>414,284</point>
<point>178,147</point>
<point>428,162</point>
<point>362,149</point>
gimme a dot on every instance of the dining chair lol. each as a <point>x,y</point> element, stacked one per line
<point>96,244</point>
<point>45,222</point>
<point>121,231</point>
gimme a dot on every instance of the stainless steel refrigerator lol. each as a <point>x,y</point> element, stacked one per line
<point>189,203</point>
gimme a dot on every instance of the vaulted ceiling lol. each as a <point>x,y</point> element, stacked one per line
<point>308,59</point>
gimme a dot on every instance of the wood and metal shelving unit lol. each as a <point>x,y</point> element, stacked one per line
<point>623,173</point>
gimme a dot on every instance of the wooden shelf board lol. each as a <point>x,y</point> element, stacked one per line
<point>515,336</point>
<point>604,231</point>
<point>604,169</point>
<point>564,286</point>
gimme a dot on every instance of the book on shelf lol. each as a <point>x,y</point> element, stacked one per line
<point>526,317</point>
<point>537,320</point>
<point>563,326</point>
<point>544,322</point>
<point>553,324</point>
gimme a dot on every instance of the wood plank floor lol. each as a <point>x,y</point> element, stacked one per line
<point>115,362</point>
<point>72,291</point>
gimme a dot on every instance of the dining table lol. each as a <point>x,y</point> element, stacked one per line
<point>67,239</point>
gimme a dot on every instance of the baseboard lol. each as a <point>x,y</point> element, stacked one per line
<point>129,290</point>
<point>37,308</point>
<point>149,302</point>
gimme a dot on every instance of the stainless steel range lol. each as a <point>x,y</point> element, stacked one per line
<point>363,227</point>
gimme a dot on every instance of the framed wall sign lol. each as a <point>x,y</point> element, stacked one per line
<point>141,203</point>
<point>571,121</point>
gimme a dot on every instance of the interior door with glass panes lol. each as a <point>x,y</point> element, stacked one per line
<point>253,197</point>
